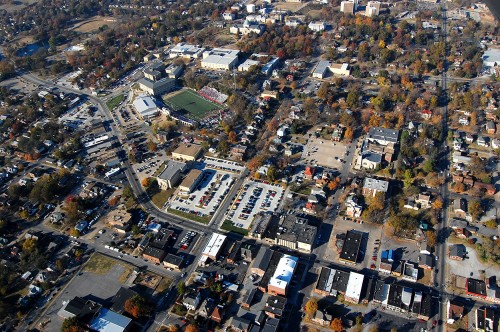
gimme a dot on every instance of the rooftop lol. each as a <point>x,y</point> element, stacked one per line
<point>354,285</point>
<point>350,249</point>
<point>374,184</point>
<point>192,150</point>
<point>171,169</point>
<point>383,135</point>
<point>109,321</point>
<point>284,271</point>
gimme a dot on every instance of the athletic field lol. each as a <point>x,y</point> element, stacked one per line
<point>191,103</point>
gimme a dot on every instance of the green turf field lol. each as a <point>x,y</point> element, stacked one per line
<point>190,102</point>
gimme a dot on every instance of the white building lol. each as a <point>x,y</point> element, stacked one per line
<point>340,69</point>
<point>214,245</point>
<point>321,69</point>
<point>349,7</point>
<point>251,8</point>
<point>317,26</point>
<point>145,107</point>
<point>187,51</point>
<point>228,16</point>
<point>372,8</point>
<point>354,286</point>
<point>282,277</point>
<point>220,58</point>
<point>245,66</point>
<point>491,61</point>
<point>246,28</point>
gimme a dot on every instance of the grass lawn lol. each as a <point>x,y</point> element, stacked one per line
<point>190,216</point>
<point>101,264</point>
<point>163,285</point>
<point>159,199</point>
<point>190,102</point>
<point>228,226</point>
<point>115,101</point>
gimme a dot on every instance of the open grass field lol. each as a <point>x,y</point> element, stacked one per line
<point>93,24</point>
<point>115,101</point>
<point>191,104</point>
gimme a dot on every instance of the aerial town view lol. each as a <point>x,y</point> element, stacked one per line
<point>249,165</point>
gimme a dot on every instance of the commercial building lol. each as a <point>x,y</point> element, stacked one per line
<point>340,69</point>
<point>383,136</point>
<point>278,284</point>
<point>157,88</point>
<point>171,174</point>
<point>190,181</point>
<point>154,254</point>
<point>372,187</point>
<point>475,287</point>
<point>317,26</point>
<point>295,233</point>
<point>173,71</point>
<point>145,107</point>
<point>173,261</point>
<point>321,69</point>
<point>186,51</point>
<point>214,245</point>
<point>491,61</point>
<point>187,152</point>
<point>220,58</point>
<point>354,287</point>
<point>348,7</point>
<point>247,28</point>
<point>261,261</point>
<point>245,66</point>
<point>350,249</point>
<point>109,321</point>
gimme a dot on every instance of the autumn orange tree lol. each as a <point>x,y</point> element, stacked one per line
<point>191,328</point>
<point>137,306</point>
<point>336,325</point>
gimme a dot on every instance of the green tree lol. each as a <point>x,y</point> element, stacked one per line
<point>352,98</point>
<point>272,173</point>
<point>30,244</point>
<point>72,325</point>
<point>181,288</point>
<point>408,178</point>
<point>475,209</point>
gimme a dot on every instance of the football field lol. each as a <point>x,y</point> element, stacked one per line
<point>188,101</point>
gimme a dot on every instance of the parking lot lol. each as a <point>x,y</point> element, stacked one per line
<point>323,152</point>
<point>223,165</point>
<point>254,197</point>
<point>208,194</point>
<point>150,165</point>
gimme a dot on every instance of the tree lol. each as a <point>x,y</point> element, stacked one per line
<point>408,178</point>
<point>431,238</point>
<point>72,325</point>
<point>232,137</point>
<point>349,133</point>
<point>323,90</point>
<point>152,146</point>
<point>352,98</point>
<point>74,232</point>
<point>359,320</point>
<point>128,192</point>
<point>191,328</point>
<point>30,244</point>
<point>438,203</point>
<point>138,306</point>
<point>272,173</point>
<point>311,307</point>
<point>475,209</point>
<point>24,214</point>
<point>181,288</point>
<point>336,325</point>
<point>146,182</point>
<point>173,328</point>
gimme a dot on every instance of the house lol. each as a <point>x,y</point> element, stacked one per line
<point>317,26</point>
<point>80,308</point>
<point>464,120</point>
<point>322,318</point>
<point>217,314</point>
<point>495,143</point>
<point>426,114</point>
<point>309,172</point>
<point>172,261</point>
<point>424,201</point>
<point>490,127</point>
<point>191,300</point>
<point>249,298</point>
<point>460,207</point>
<point>458,252</point>
<point>469,138</point>
<point>353,208</point>
<point>425,261</point>
<point>476,288</point>
<point>370,160</point>
<point>275,305</point>
<point>56,217</point>
<point>239,324</point>
<point>206,308</point>
<point>410,271</point>
<point>455,311</point>
<point>372,186</point>
<point>483,141</point>
<point>485,318</point>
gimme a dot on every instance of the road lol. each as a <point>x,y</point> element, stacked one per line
<point>441,274</point>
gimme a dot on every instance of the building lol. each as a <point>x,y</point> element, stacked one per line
<point>321,69</point>
<point>491,61</point>
<point>157,88</point>
<point>249,298</point>
<point>475,287</point>
<point>458,252</point>
<point>317,26</point>
<point>460,207</point>
<point>372,187</point>
<point>410,271</point>
<point>370,160</point>
<point>186,51</point>
<point>245,66</point>
<point>247,28</point>
<point>220,58</point>
<point>455,311</point>
<point>348,7</point>
<point>485,318</point>
<point>171,174</point>
<point>154,254</point>
<point>191,300</point>
<point>173,71</point>
<point>109,321</point>
<point>353,208</point>
<point>275,305</point>
<point>340,69</point>
<point>261,262</point>
<point>214,245</point>
<point>172,261</point>
<point>278,284</point>
<point>295,233</point>
<point>146,107</point>
<point>372,8</point>
<point>354,287</point>
<point>350,249</point>
<point>187,152</point>
<point>190,182</point>
<point>80,308</point>
<point>383,136</point>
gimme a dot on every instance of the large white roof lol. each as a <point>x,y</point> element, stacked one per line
<point>214,245</point>
<point>109,321</point>
<point>145,105</point>
<point>354,285</point>
<point>284,271</point>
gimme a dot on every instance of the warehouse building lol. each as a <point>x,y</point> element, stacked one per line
<point>213,247</point>
<point>220,58</point>
<point>145,107</point>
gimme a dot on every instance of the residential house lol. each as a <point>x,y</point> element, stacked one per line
<point>464,120</point>
<point>206,308</point>
<point>476,288</point>
<point>425,261</point>
<point>373,186</point>
<point>455,311</point>
<point>322,318</point>
<point>217,314</point>
<point>458,252</point>
<point>192,300</point>
<point>353,208</point>
<point>239,324</point>
<point>424,200</point>
<point>460,207</point>
<point>490,127</point>
<point>483,141</point>
<point>309,172</point>
<point>426,114</point>
<point>485,319</point>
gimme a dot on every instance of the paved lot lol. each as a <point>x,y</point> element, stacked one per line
<point>208,195</point>
<point>150,165</point>
<point>372,232</point>
<point>324,152</point>
<point>254,197</point>
<point>87,285</point>
<point>471,266</point>
<point>223,165</point>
